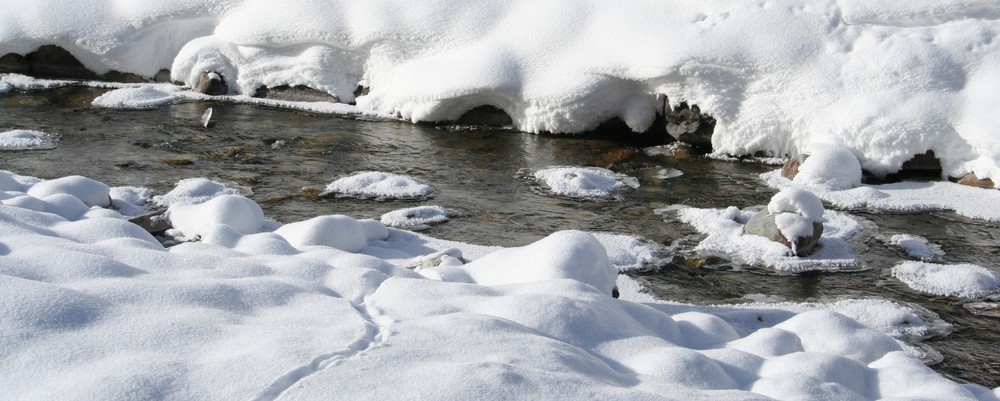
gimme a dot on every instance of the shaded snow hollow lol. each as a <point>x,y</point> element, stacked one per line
<point>95,308</point>
<point>886,80</point>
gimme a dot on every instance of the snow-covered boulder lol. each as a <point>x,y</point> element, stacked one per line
<point>337,231</point>
<point>829,166</point>
<point>91,192</point>
<point>238,212</point>
<point>793,217</point>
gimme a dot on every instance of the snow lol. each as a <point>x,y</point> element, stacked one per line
<point>95,308</point>
<point>26,139</point>
<point>795,211</point>
<point>584,182</point>
<point>917,247</point>
<point>884,81</point>
<point>906,196</point>
<point>724,236</point>
<point>960,280</point>
<point>829,166</point>
<point>416,218</point>
<point>143,97</point>
<point>380,185</point>
<point>630,252</point>
<point>197,190</point>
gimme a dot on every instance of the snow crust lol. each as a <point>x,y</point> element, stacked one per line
<point>584,182</point>
<point>378,184</point>
<point>96,308</point>
<point>906,196</point>
<point>724,237</point>
<point>885,81</point>
<point>917,247</point>
<point>960,280</point>
<point>26,139</point>
<point>142,97</point>
<point>416,218</point>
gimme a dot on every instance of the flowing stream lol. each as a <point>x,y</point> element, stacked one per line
<point>286,157</point>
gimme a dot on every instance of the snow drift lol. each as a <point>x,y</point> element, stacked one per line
<point>885,81</point>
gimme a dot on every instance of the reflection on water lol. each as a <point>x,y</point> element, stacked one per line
<point>287,157</point>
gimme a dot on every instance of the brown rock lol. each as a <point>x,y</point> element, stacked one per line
<point>763,224</point>
<point>689,125</point>
<point>154,222</point>
<point>973,181</point>
<point>211,83</point>
<point>791,168</point>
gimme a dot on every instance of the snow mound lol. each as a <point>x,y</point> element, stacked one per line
<point>99,300</point>
<point>26,140</point>
<point>630,252</point>
<point>379,185</point>
<point>199,219</point>
<point>917,247</point>
<point>89,191</point>
<point>724,230</point>
<point>415,218</point>
<point>961,280</point>
<point>143,97</point>
<point>197,190</point>
<point>584,182</point>
<point>829,166</point>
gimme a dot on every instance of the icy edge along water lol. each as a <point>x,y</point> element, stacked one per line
<point>78,280</point>
<point>777,75</point>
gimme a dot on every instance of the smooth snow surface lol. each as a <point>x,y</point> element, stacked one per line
<point>906,196</point>
<point>26,140</point>
<point>724,230</point>
<point>830,167</point>
<point>95,308</point>
<point>376,184</point>
<point>961,280</point>
<point>143,97</point>
<point>584,182</point>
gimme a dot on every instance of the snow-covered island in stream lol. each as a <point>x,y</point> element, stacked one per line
<point>224,303</point>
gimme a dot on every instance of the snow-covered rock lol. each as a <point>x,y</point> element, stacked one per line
<point>377,184</point>
<point>960,280</point>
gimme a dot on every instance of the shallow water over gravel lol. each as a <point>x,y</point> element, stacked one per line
<point>288,157</point>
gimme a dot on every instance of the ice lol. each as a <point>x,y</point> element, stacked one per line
<point>960,280</point>
<point>379,185</point>
<point>415,218</point>
<point>144,97</point>
<point>584,182</point>
<point>906,196</point>
<point>26,140</point>
<point>95,308</point>
<point>917,247</point>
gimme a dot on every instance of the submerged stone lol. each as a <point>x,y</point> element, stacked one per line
<point>211,83</point>
<point>297,93</point>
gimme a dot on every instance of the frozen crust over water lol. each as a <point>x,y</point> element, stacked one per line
<point>885,81</point>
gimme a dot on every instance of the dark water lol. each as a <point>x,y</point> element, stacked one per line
<point>285,157</point>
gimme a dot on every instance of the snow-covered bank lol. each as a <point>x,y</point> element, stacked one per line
<point>887,81</point>
<point>96,308</point>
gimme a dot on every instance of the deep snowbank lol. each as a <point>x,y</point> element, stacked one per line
<point>95,308</point>
<point>886,81</point>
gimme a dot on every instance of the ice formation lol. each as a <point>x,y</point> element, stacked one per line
<point>724,230</point>
<point>415,218</point>
<point>379,185</point>
<point>960,280</point>
<point>887,81</point>
<point>142,97</point>
<point>26,139</point>
<point>917,247</point>
<point>584,182</point>
<point>95,308</point>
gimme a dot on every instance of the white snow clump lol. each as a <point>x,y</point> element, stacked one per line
<point>197,190</point>
<point>379,185</point>
<point>796,211</point>
<point>961,280</point>
<point>26,139</point>
<point>415,218</point>
<point>832,167</point>
<point>143,97</point>
<point>916,246</point>
<point>584,182</point>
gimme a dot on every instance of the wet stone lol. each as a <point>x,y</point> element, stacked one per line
<point>14,63</point>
